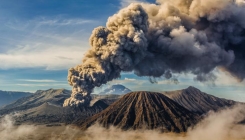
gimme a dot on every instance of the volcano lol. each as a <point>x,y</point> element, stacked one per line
<point>144,110</point>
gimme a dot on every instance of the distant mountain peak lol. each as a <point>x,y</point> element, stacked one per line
<point>116,89</point>
<point>192,88</point>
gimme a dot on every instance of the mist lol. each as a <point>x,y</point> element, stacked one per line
<point>8,131</point>
<point>222,125</point>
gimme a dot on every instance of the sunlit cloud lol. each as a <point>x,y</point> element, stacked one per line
<point>39,80</point>
<point>63,22</point>
<point>129,79</point>
<point>43,43</point>
<point>125,3</point>
<point>41,85</point>
<point>51,59</point>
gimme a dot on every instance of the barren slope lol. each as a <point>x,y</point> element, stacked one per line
<point>196,101</point>
<point>137,110</point>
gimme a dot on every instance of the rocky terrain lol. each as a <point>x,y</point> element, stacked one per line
<point>45,106</point>
<point>131,111</point>
<point>138,110</point>
<point>7,97</point>
<point>197,101</point>
<point>52,97</point>
<point>55,97</point>
<point>50,114</point>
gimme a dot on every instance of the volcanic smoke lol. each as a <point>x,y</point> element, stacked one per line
<point>155,40</point>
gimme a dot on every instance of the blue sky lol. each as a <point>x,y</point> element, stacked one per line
<point>40,40</point>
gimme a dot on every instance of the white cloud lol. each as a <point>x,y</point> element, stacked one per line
<point>45,43</point>
<point>125,3</point>
<point>51,59</point>
<point>39,80</point>
<point>226,79</point>
<point>41,85</point>
<point>129,79</point>
<point>63,22</point>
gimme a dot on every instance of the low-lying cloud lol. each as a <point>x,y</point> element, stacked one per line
<point>216,126</point>
<point>223,125</point>
<point>8,131</point>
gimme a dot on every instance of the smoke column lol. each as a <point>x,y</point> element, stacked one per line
<point>180,36</point>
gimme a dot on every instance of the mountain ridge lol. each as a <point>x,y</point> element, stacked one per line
<point>197,101</point>
<point>46,106</point>
<point>7,97</point>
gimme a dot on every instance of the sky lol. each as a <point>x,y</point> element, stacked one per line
<point>40,40</point>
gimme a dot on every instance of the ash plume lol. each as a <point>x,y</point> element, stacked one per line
<point>158,40</point>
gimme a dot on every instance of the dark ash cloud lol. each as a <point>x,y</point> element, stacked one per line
<point>158,40</point>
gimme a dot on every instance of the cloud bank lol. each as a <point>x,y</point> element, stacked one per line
<point>221,125</point>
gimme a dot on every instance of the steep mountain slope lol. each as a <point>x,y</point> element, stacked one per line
<point>196,101</point>
<point>56,97</point>
<point>45,106</point>
<point>148,110</point>
<point>49,114</point>
<point>7,97</point>
<point>116,89</point>
<point>52,96</point>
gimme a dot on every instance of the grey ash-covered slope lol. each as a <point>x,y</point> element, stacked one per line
<point>7,97</point>
<point>48,114</point>
<point>116,89</point>
<point>138,110</point>
<point>196,101</point>
<point>55,97</point>
<point>45,106</point>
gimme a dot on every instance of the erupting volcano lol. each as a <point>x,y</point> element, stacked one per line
<point>144,110</point>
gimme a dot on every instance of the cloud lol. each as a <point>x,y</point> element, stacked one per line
<point>44,42</point>
<point>216,126</point>
<point>125,3</point>
<point>129,79</point>
<point>10,132</point>
<point>39,80</point>
<point>226,79</point>
<point>222,125</point>
<point>63,22</point>
<point>41,85</point>
<point>49,58</point>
